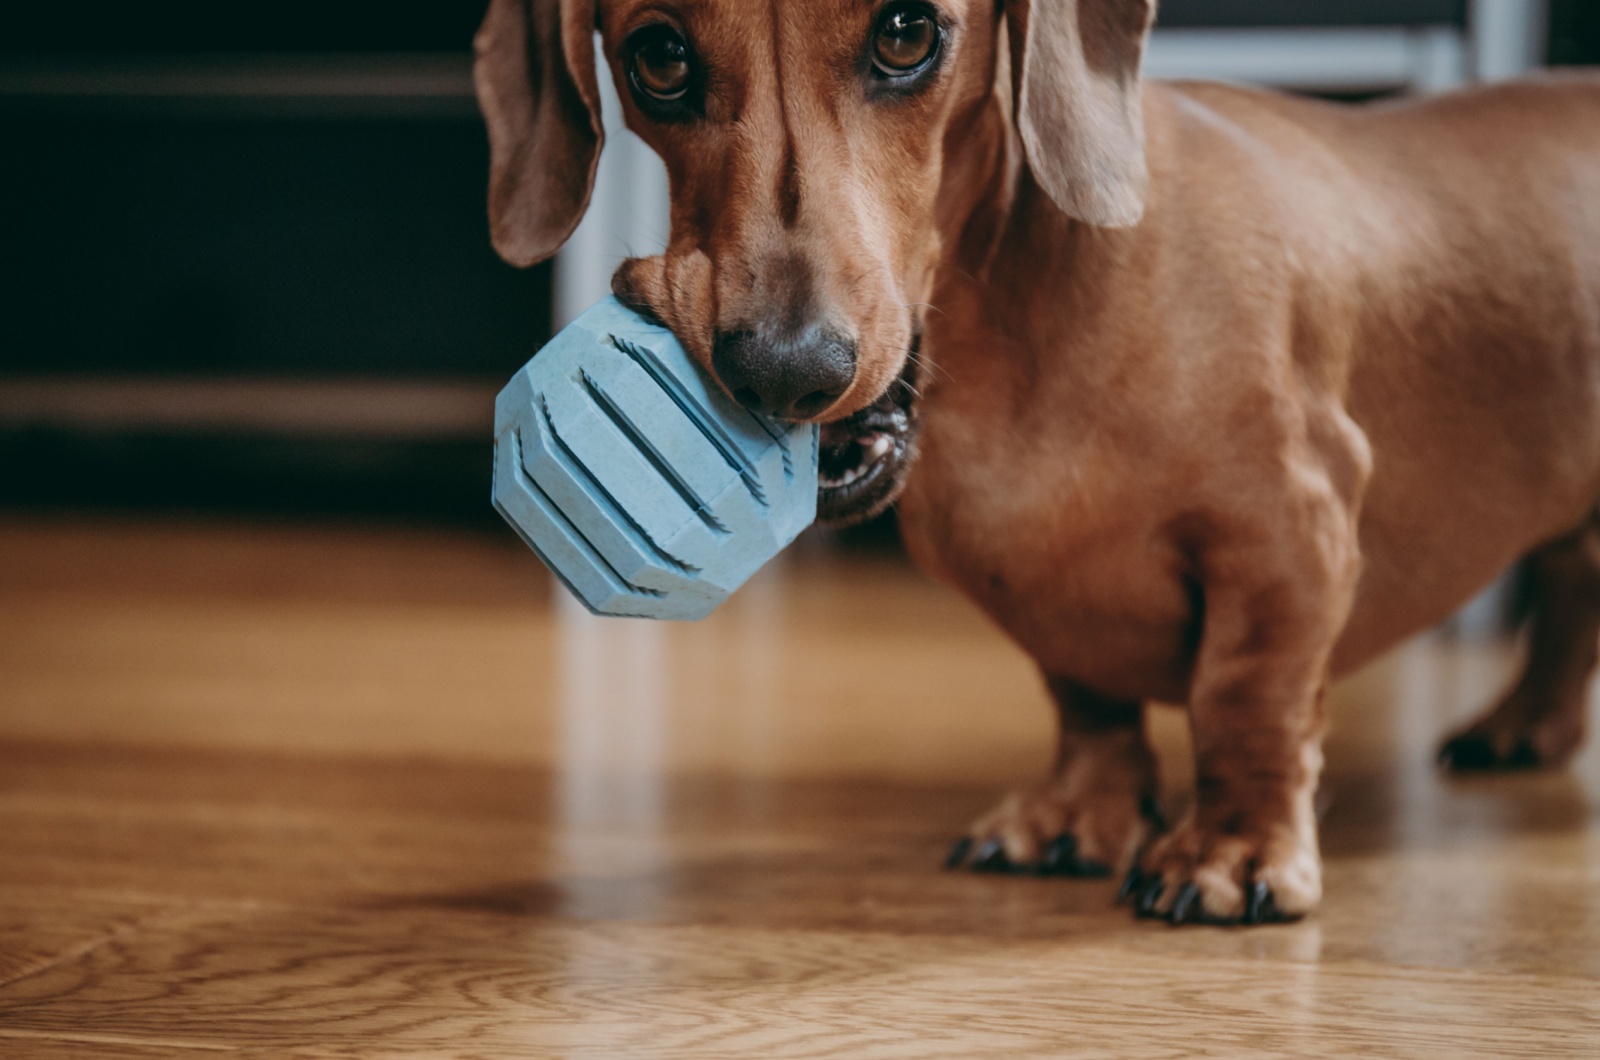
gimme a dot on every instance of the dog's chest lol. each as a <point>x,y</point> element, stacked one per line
<point>1055,541</point>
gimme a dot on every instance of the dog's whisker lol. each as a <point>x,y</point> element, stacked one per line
<point>919,359</point>
<point>923,362</point>
<point>912,356</point>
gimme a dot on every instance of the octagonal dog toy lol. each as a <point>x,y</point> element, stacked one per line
<point>638,482</point>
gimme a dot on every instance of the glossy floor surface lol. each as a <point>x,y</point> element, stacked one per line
<point>314,793</point>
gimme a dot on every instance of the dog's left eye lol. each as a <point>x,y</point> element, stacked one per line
<point>907,38</point>
<point>661,66</point>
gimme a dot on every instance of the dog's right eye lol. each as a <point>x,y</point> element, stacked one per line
<point>661,66</point>
<point>905,49</point>
<point>906,40</point>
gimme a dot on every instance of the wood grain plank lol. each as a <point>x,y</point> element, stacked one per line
<point>364,642</point>
<point>262,791</point>
<point>494,986</point>
<point>42,928</point>
<point>28,1046</point>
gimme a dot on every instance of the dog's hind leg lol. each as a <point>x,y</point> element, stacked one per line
<point>1540,721</point>
<point>1090,815</point>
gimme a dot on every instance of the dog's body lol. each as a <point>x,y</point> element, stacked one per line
<point>1225,392</point>
<point>1342,340</point>
<point>1390,313</point>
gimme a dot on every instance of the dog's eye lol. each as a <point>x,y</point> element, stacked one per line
<point>661,66</point>
<point>907,37</point>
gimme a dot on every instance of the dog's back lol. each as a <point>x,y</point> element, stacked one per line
<point>1488,305</point>
<point>1446,253</point>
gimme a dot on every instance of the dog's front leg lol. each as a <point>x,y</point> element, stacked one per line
<point>1091,813</point>
<point>1274,606</point>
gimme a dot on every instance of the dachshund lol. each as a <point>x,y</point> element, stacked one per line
<point>1205,394</point>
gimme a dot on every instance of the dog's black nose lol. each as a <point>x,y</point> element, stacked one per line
<point>790,380</point>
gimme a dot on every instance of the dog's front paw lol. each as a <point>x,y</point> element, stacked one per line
<point>1254,874</point>
<point>1048,832</point>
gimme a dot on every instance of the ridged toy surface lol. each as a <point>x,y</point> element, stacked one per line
<point>635,479</point>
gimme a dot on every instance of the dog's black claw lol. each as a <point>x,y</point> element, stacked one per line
<point>1091,870</point>
<point>1473,753</point>
<point>1468,753</point>
<point>1184,904</point>
<point>1150,810</point>
<point>1060,858</point>
<point>1130,884</point>
<point>1523,756</point>
<point>958,853</point>
<point>1145,904</point>
<point>991,857</point>
<point>1258,904</point>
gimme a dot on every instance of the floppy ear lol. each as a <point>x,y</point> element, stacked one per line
<point>536,87</point>
<point>1075,75</point>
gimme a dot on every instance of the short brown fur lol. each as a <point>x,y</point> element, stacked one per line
<point>1228,392</point>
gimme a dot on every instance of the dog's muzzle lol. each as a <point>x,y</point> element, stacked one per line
<point>865,458</point>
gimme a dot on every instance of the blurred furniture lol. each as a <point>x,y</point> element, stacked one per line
<point>1348,46</point>
<point>247,257</point>
<point>247,263</point>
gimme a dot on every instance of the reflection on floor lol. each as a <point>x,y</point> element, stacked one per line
<point>347,793</point>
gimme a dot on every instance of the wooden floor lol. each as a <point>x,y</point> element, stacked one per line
<point>317,793</point>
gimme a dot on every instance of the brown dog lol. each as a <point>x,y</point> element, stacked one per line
<point>1222,392</point>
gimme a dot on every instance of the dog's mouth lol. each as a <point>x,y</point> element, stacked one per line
<point>864,458</point>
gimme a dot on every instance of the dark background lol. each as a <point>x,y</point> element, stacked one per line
<point>1575,32</point>
<point>108,26</point>
<point>157,237</point>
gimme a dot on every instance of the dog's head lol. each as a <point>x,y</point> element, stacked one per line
<point>808,144</point>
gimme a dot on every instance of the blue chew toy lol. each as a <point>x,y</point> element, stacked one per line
<point>643,487</point>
